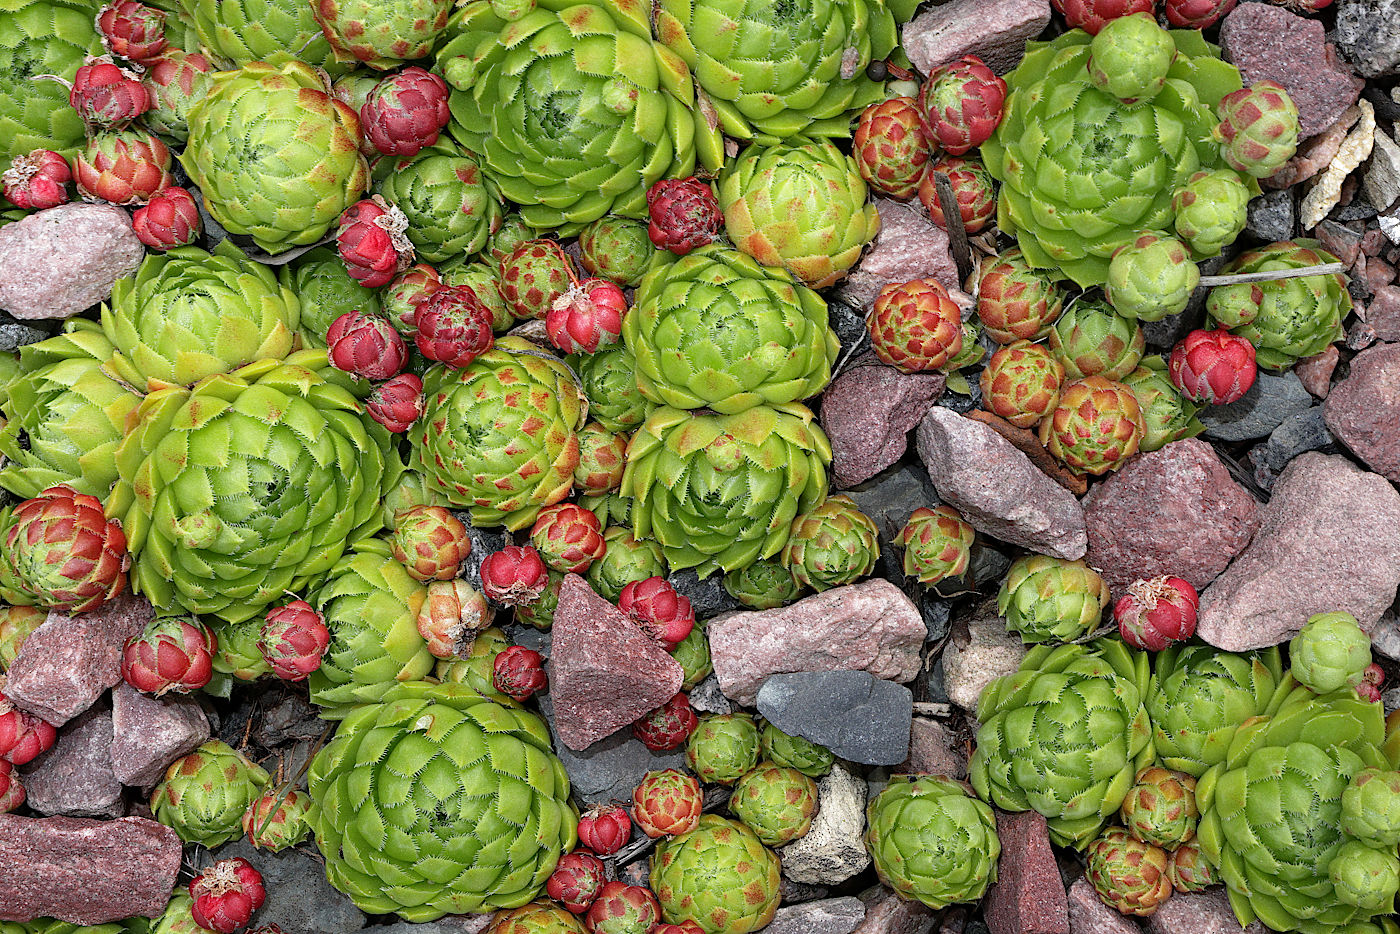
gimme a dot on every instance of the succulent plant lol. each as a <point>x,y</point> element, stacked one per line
<point>1330,652</point>
<point>604,829</point>
<point>23,736</point>
<point>107,96</point>
<point>173,653</point>
<point>236,32</point>
<point>1211,210</point>
<point>453,612</point>
<point>693,655</point>
<point>226,895</point>
<point>169,219</point>
<point>37,180</point>
<point>540,613</point>
<point>832,545</point>
<point>175,81</point>
<point>961,104</point>
<point>602,455</point>
<point>478,670</point>
<point>776,802</point>
<point>294,639</point>
<point>794,752</point>
<point>723,748</point>
<point>1156,613</point>
<point>625,559</point>
<point>683,214</point>
<point>239,649</point>
<point>1091,339</point>
<point>276,820</point>
<point>1128,874</point>
<point>1021,383</point>
<point>890,148</point>
<point>18,622</point>
<point>64,415</point>
<point>11,797</point>
<point>132,30</point>
<point>42,37</point>
<point>1072,203</point>
<point>1092,15</point>
<point>1064,736</point>
<point>1151,277</point>
<point>667,726</point>
<point>1095,427</point>
<point>1129,57</point>
<point>616,248</point>
<point>1197,14</point>
<point>567,537</point>
<point>575,882</point>
<point>60,551</point>
<point>1166,414</point>
<point>1213,367</point>
<point>762,585</point>
<point>307,169</point>
<point>932,841</point>
<point>123,167</point>
<point>451,207</point>
<point>1286,319</point>
<point>719,492</point>
<point>518,672</point>
<point>833,223</point>
<point>915,326</point>
<point>1258,128</point>
<point>1295,766</point>
<point>204,794</point>
<point>719,876</point>
<point>667,803</point>
<point>324,291</point>
<point>622,909</point>
<point>1014,301</point>
<point>405,112</point>
<point>370,604</point>
<point>658,610</point>
<point>587,318</point>
<point>535,275</point>
<point>1050,599</point>
<point>1160,808</point>
<point>609,381</point>
<point>566,138</point>
<point>974,192</point>
<point>396,403</point>
<point>1189,870</point>
<point>440,829</point>
<point>717,330</point>
<point>505,460</point>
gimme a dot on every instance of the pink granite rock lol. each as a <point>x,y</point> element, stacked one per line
<point>1315,372</point>
<point>871,626</point>
<point>887,913</point>
<point>996,31</point>
<point>1363,410</point>
<point>604,672</point>
<point>909,246</point>
<point>1265,41</point>
<point>152,732</point>
<point>1205,912</point>
<point>74,778</point>
<point>997,488</point>
<point>85,871</point>
<point>1089,915</point>
<point>1383,313</point>
<point>934,749</point>
<point>68,662</point>
<point>1329,539</point>
<point>1173,511</point>
<point>867,413</point>
<point>1028,896</point>
<point>56,263</point>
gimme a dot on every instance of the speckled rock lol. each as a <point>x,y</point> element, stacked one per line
<point>1315,372</point>
<point>56,263</point>
<point>1368,32</point>
<point>75,778</point>
<point>867,413</point>
<point>986,653</point>
<point>152,732</point>
<point>1363,410</point>
<point>887,913</point>
<point>1205,912</point>
<point>995,31</point>
<point>826,916</point>
<point>909,246</point>
<point>1028,896</point>
<point>1089,915</point>
<point>934,750</point>
<point>832,851</point>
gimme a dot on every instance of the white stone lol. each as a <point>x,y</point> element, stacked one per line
<point>832,851</point>
<point>991,652</point>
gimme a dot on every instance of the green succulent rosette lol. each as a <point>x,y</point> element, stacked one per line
<point>500,437</point>
<point>610,380</point>
<point>437,800</point>
<point>17,623</point>
<point>237,652</point>
<point>1286,319</point>
<point>204,794</point>
<point>772,69</point>
<point>1371,807</point>
<point>11,215</point>
<point>540,614</point>
<point>832,545</point>
<point>693,655</point>
<point>1051,600</point>
<point>1091,339</point>
<point>382,34</point>
<point>325,291</point>
<point>617,248</point>
<point>177,917</point>
<point>42,37</point>
<point>716,330</point>
<point>931,841</point>
<point>627,559</point>
<point>719,492</point>
<point>776,802</point>
<point>1064,735</point>
<point>573,108</point>
<point>63,416</point>
<point>762,585</point>
<point>188,314</point>
<point>477,670</point>
<point>1199,696</point>
<point>409,489</point>
<point>1160,808</point>
<point>1082,171</point>
<point>172,97</point>
<point>1151,277</point>
<point>275,156</point>
<point>1330,652</point>
<point>370,605</point>
<point>610,508</point>
<point>800,205</point>
<point>1272,814</point>
<point>277,819</point>
<point>719,876</point>
<point>723,748</point>
<point>1212,209</point>
<point>236,32</point>
<point>1167,415</point>
<point>795,752</point>
<point>483,279</point>
<point>450,205</point>
<point>249,485</point>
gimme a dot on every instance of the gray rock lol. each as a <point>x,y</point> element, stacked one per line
<point>708,697</point>
<point>988,652</point>
<point>298,896</point>
<point>1382,179</point>
<point>56,263</point>
<point>152,732</point>
<point>1385,638</point>
<point>707,597</point>
<point>14,335</point>
<point>889,498</point>
<point>854,714</point>
<point>484,542</point>
<point>887,913</point>
<point>1089,915</point>
<point>452,924</point>
<point>832,851</point>
<point>1205,912</point>
<point>75,778</point>
<point>994,30</point>
<point>1368,32</point>
<point>1273,216</point>
<point>608,770</point>
<point>1305,431</point>
<point>828,916</point>
<point>1269,401</point>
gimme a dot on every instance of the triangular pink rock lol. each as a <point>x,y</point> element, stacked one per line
<point>605,673</point>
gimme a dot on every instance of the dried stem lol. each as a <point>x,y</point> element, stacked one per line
<point>1272,275</point>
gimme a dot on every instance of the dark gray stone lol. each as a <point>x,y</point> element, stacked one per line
<point>707,597</point>
<point>484,541</point>
<point>937,615</point>
<point>1269,401</point>
<point>1273,216</point>
<point>1304,431</point>
<point>890,497</point>
<point>14,335</point>
<point>849,325</point>
<point>828,916</point>
<point>854,714</point>
<point>1368,33</point>
<point>287,717</point>
<point>707,697</point>
<point>298,896</point>
<point>609,769</point>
